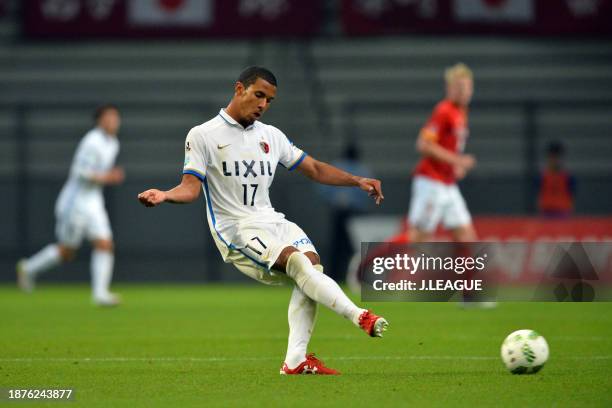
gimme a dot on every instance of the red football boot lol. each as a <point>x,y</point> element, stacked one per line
<point>311,365</point>
<point>372,324</point>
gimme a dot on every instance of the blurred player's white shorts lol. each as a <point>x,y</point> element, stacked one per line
<point>433,202</point>
<point>73,226</point>
<point>256,247</point>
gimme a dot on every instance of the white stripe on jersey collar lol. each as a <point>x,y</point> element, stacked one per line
<point>231,121</point>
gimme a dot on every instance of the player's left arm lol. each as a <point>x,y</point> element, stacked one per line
<point>325,173</point>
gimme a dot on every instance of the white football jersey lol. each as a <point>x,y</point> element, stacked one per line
<point>96,153</point>
<point>236,166</point>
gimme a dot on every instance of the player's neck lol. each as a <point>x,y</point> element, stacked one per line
<point>456,103</point>
<point>106,132</point>
<point>233,111</point>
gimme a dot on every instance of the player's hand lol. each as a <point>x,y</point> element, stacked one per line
<point>115,176</point>
<point>373,187</point>
<point>460,172</point>
<point>151,198</point>
<point>467,161</point>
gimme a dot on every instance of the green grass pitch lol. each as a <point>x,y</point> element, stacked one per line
<point>222,345</point>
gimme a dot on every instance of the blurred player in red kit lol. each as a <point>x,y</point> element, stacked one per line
<point>435,195</point>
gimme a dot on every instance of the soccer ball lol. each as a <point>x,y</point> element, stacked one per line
<point>524,352</point>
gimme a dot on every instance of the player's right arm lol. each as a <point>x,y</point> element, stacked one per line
<point>186,192</point>
<point>194,173</point>
<point>427,145</point>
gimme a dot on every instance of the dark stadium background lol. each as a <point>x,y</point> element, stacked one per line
<point>342,77</point>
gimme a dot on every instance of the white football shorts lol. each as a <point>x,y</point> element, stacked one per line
<point>256,247</point>
<point>75,225</point>
<point>433,201</point>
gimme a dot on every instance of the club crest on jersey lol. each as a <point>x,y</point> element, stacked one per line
<point>265,147</point>
<point>187,147</point>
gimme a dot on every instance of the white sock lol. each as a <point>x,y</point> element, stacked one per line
<point>320,287</point>
<point>43,260</point>
<point>301,315</point>
<point>101,272</point>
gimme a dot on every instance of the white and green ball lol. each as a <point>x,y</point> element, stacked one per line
<point>524,352</point>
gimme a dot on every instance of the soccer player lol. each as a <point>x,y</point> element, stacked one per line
<point>435,195</point>
<point>80,210</point>
<point>233,157</point>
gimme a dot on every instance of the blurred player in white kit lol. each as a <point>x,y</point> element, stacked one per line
<point>80,211</point>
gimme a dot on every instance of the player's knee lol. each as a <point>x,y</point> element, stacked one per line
<point>418,235</point>
<point>465,233</point>
<point>313,257</point>
<point>103,245</point>
<point>299,268</point>
<point>281,261</point>
<point>67,254</point>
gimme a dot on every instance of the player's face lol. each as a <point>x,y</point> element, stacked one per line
<point>255,100</point>
<point>461,90</point>
<point>110,121</point>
